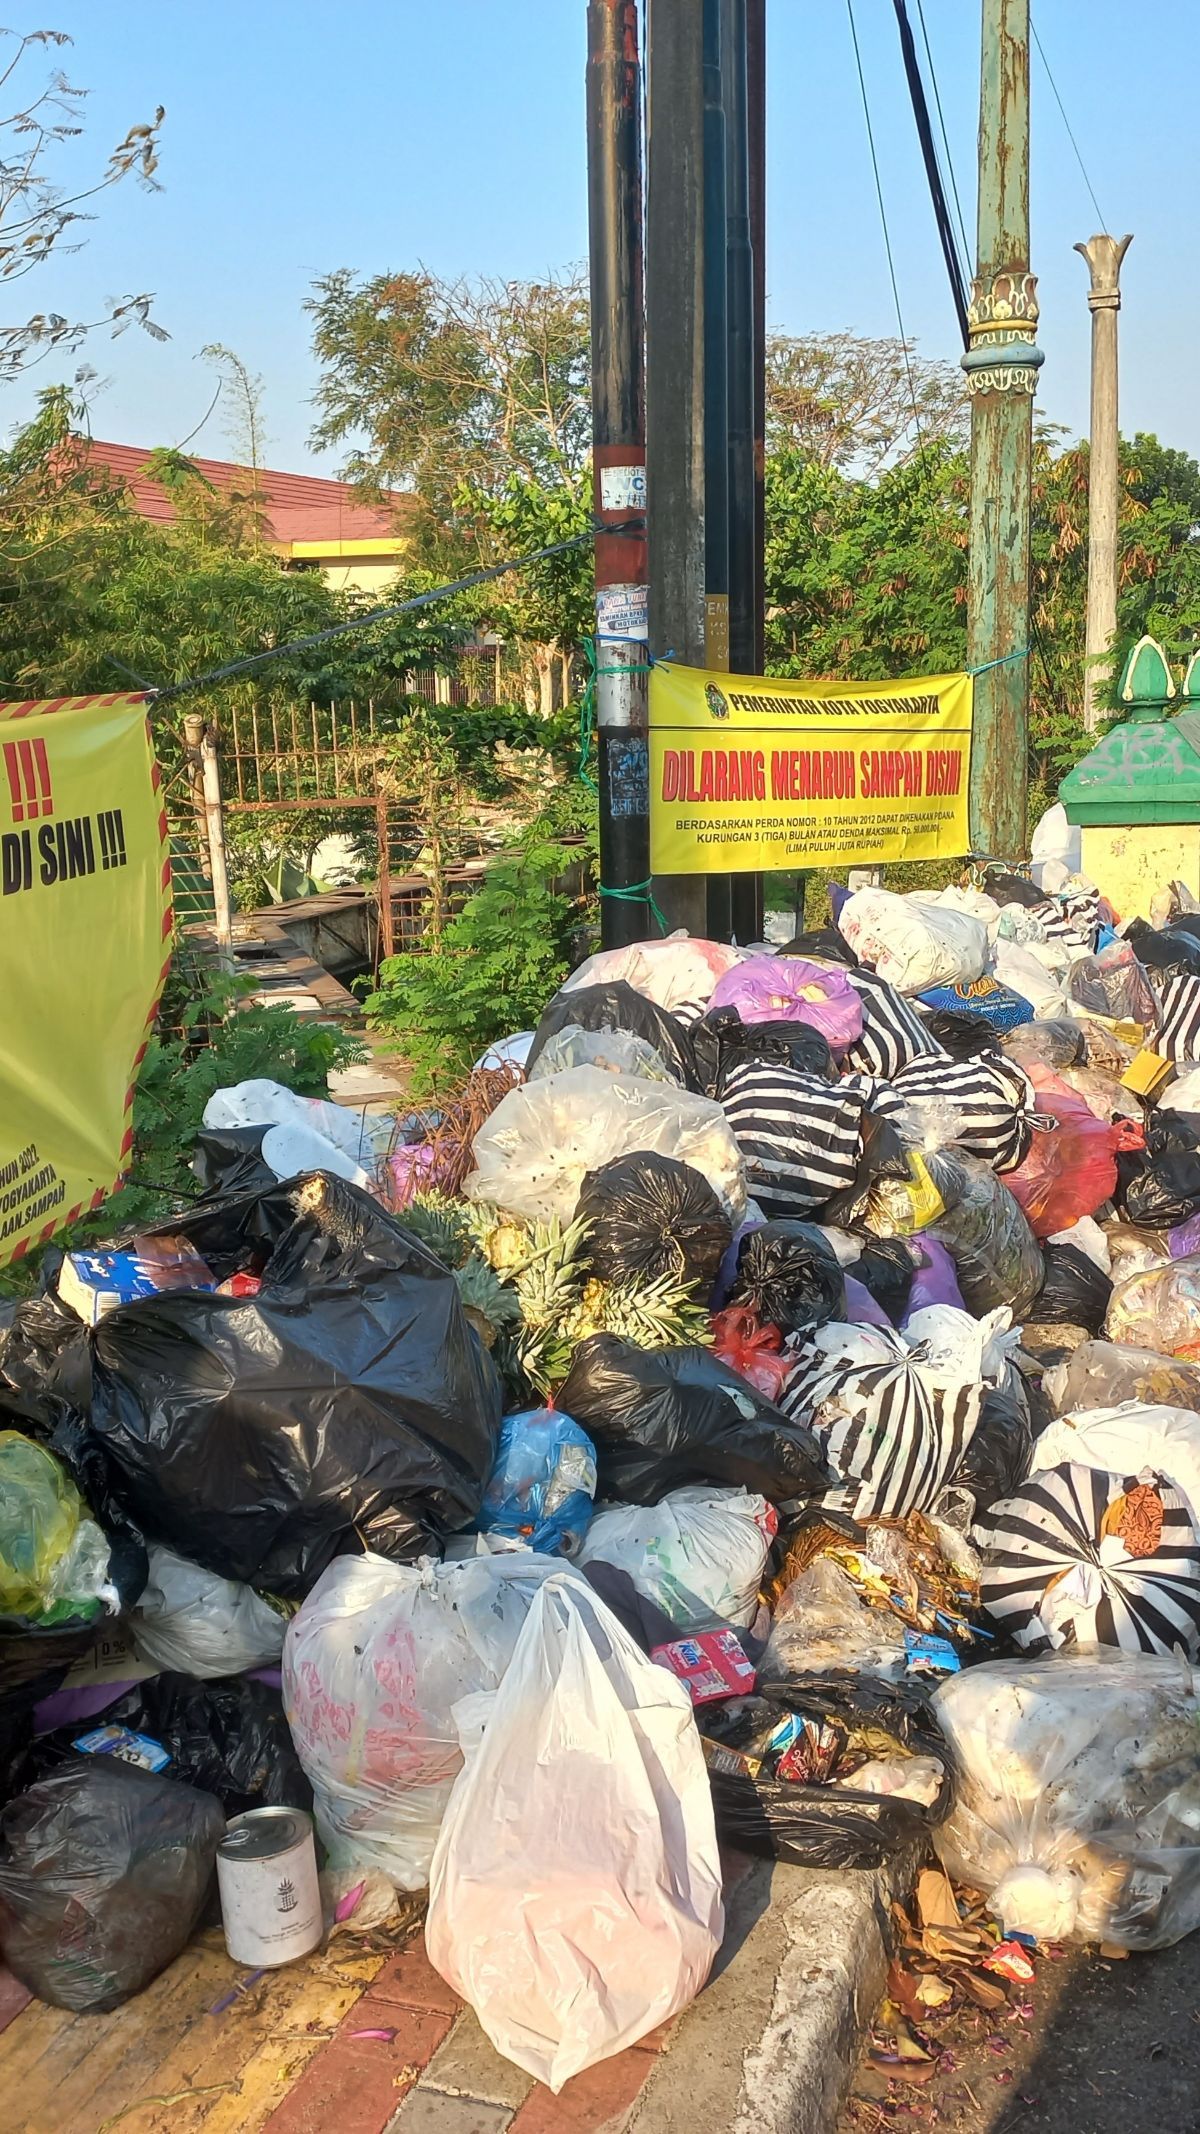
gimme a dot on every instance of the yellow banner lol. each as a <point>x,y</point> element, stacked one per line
<point>748,773</point>
<point>85,925</point>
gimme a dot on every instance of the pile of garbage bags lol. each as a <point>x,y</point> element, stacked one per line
<point>774,1422</point>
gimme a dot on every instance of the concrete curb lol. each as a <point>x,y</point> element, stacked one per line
<point>770,2046</point>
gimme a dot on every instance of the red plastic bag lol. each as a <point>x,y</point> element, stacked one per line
<point>751,1349</point>
<point>1070,1170</point>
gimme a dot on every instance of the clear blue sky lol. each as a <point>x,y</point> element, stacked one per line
<point>379,133</point>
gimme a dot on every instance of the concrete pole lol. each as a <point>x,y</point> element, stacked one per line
<point>1104,255</point>
<point>201,741</point>
<point>1001,365</point>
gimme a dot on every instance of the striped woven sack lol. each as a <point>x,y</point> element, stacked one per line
<point>992,1102</point>
<point>893,1032</point>
<point>800,1136</point>
<point>892,1431</point>
<point>1055,1573</point>
<point>1177,1034</point>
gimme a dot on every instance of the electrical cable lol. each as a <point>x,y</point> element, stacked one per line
<point>1067,123</point>
<point>937,98</point>
<point>929,156</point>
<point>887,242</point>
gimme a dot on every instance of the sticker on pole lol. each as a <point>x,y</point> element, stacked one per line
<point>747,773</point>
<point>623,611</point>
<point>623,488</point>
<point>85,925</point>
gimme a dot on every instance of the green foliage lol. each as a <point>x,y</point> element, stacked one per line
<point>496,964</point>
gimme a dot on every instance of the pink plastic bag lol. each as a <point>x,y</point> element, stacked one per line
<point>770,989</point>
<point>1071,1169</point>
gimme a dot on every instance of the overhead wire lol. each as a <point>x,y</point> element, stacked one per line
<point>887,242</point>
<point>937,188</point>
<point>937,99</point>
<point>1067,123</point>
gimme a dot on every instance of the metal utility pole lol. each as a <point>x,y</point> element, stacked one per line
<point>675,364</point>
<point>614,134</point>
<point>719,919</point>
<point>1001,364</point>
<point>744,557</point>
<point>1104,255</point>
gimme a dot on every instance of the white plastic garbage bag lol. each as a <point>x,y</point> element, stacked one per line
<point>913,944</point>
<point>1056,843</point>
<point>191,1620</point>
<point>306,1133</point>
<point>533,1153</point>
<point>1124,1440</point>
<point>679,972</point>
<point>699,1554</point>
<point>373,1665</point>
<point>1183,1094</point>
<point>1077,1806</point>
<point>575,1895</point>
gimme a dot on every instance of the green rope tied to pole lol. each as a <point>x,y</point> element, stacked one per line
<point>1004,661</point>
<point>638,893</point>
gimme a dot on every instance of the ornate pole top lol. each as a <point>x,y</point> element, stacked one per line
<point>1104,255</point>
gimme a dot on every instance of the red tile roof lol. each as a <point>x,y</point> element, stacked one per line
<point>299,507</point>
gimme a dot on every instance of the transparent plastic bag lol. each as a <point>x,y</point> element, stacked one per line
<point>53,1557</point>
<point>542,1484</point>
<point>1105,1374</point>
<point>820,1623</point>
<point>1071,1167</point>
<point>1056,1044</point>
<point>1159,1309</point>
<point>193,1621</point>
<point>995,1253</point>
<point>1078,1798</point>
<point>1112,984</point>
<point>612,1051</point>
<point>534,1152</point>
<point>373,1665</point>
<point>575,1894</point>
<point>698,1554</point>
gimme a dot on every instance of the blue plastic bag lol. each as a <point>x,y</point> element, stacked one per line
<point>542,1484</point>
<point>993,1002</point>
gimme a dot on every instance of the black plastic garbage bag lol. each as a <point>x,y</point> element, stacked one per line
<point>887,1269</point>
<point>964,1037</point>
<point>882,1155</point>
<point>824,1825</point>
<point>663,1418</point>
<point>651,1216</point>
<point>1164,954</point>
<point>823,944</point>
<point>1075,1291</point>
<point>230,1738</point>
<point>104,1870</point>
<point>229,1159</point>
<point>618,1007</point>
<point>788,1274</point>
<point>996,1461</point>
<point>348,1404</point>
<point>721,1041</point>
<point>1165,1189</point>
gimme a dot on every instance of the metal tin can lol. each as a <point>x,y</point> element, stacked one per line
<point>267,1876</point>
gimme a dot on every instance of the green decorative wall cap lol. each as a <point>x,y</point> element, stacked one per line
<point>1147,769</point>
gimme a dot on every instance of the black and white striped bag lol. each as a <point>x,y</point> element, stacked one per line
<point>1075,925</point>
<point>992,1101</point>
<point>800,1137</point>
<point>893,1033</point>
<point>1050,1531</point>
<point>892,1431</point>
<point>1177,1034</point>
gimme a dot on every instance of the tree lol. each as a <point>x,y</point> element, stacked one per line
<point>39,218</point>
<point>861,405</point>
<point>243,394</point>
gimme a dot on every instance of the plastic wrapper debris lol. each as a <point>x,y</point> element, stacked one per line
<point>914,944</point>
<point>1104,1374</point>
<point>1054,1044</point>
<point>789,1276</point>
<point>1075,1292</point>
<point>1125,1440</point>
<point>302,1133</point>
<point>754,1351</point>
<point>347,1404</point>
<point>676,972</point>
<point>533,1154</point>
<point>843,1822</point>
<point>1078,1796</point>
<point>615,1051</point>
<point>722,1042</point>
<point>995,1253</point>
<point>1167,1190</point>
<point>666,1418</point>
<point>1112,984</point>
<point>820,1623</point>
<point>983,1002</point>
<point>1159,1309</point>
<point>103,1873</point>
<point>200,1624</point>
<point>1070,1169</point>
<point>650,1216</point>
<point>1080,1557</point>
<point>698,1554</point>
<point>373,1666</point>
<point>542,1484</point>
<point>772,989</point>
<point>610,1010</point>
<point>53,1557</point>
<point>574,1935</point>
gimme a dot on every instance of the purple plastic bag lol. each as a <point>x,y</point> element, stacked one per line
<point>936,1278</point>
<point>1184,1239</point>
<point>862,1309</point>
<point>778,988</point>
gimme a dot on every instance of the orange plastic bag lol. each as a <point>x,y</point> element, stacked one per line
<point>1071,1169</point>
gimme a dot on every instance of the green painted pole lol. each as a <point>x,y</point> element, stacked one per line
<point>1001,364</point>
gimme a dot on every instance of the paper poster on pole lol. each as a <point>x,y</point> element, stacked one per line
<point>85,939</point>
<point>747,773</point>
